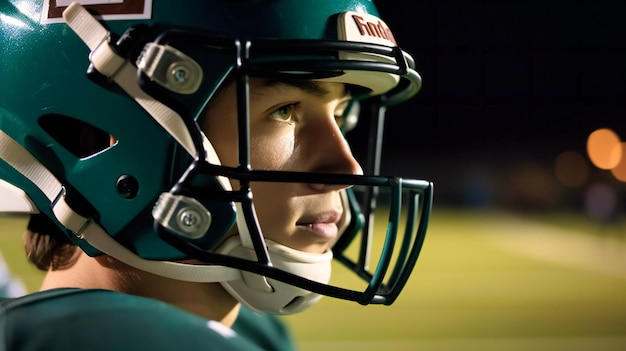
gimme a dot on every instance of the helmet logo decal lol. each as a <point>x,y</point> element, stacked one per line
<point>363,27</point>
<point>106,9</point>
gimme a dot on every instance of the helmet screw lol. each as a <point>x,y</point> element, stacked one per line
<point>127,186</point>
<point>180,74</point>
<point>189,220</point>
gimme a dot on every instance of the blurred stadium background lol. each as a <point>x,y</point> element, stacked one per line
<point>521,126</point>
<point>489,280</point>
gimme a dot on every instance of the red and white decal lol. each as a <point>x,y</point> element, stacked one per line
<point>365,28</point>
<point>106,9</point>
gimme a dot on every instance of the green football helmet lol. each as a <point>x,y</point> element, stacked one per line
<point>147,187</point>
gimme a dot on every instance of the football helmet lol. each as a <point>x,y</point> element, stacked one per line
<point>150,189</point>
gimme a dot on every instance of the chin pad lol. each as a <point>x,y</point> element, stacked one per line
<point>267,295</point>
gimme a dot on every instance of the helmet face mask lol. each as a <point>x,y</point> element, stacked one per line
<point>182,192</point>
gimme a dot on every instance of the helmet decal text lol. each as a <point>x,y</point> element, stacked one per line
<point>362,27</point>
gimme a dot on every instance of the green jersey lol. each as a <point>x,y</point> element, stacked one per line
<point>92,319</point>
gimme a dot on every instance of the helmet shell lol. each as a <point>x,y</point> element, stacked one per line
<point>43,82</point>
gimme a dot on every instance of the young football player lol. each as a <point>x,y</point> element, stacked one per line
<point>186,170</point>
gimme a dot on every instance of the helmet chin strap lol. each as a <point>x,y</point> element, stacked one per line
<point>268,295</point>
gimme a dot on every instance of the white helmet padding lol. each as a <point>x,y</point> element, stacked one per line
<point>267,295</point>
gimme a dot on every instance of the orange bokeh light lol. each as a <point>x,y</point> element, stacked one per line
<point>604,148</point>
<point>619,171</point>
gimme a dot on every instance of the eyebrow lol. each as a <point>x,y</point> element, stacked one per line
<point>307,86</point>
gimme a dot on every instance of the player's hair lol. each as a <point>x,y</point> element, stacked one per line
<point>46,245</point>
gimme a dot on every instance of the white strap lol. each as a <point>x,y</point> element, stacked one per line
<point>85,25</point>
<point>25,163</point>
<point>97,238</point>
<point>107,62</point>
<point>19,158</point>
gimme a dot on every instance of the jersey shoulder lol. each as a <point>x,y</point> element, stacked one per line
<point>89,319</point>
<point>266,330</point>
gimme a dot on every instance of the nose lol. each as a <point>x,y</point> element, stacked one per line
<point>329,152</point>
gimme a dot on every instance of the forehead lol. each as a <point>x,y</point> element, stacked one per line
<point>271,88</point>
<point>262,86</point>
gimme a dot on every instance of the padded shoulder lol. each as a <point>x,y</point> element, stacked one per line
<point>78,319</point>
<point>265,330</point>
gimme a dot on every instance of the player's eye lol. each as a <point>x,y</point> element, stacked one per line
<point>284,113</point>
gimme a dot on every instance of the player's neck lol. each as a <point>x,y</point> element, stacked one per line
<point>208,300</point>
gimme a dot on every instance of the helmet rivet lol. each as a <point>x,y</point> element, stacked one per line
<point>127,186</point>
<point>188,218</point>
<point>180,74</point>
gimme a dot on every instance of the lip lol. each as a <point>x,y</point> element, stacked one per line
<point>323,225</point>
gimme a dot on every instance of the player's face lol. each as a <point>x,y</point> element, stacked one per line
<point>293,127</point>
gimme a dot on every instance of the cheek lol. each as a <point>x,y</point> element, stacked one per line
<point>226,148</point>
<point>275,152</point>
<point>273,206</point>
<point>272,200</point>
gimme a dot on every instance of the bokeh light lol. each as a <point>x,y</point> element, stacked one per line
<point>571,169</point>
<point>619,171</point>
<point>604,148</point>
<point>601,202</point>
<point>530,187</point>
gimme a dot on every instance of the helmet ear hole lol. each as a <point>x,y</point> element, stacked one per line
<point>79,138</point>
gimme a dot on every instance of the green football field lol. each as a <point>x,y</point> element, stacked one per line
<point>485,281</point>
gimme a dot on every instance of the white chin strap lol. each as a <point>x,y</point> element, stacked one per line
<point>257,292</point>
<point>268,295</point>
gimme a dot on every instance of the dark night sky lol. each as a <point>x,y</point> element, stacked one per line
<point>504,82</point>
